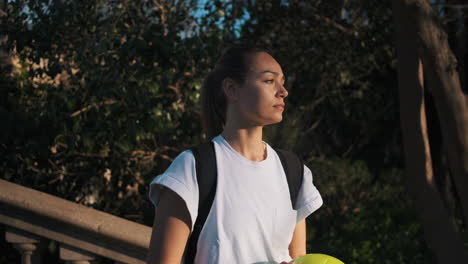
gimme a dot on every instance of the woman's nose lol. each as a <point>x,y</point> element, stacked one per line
<point>282,91</point>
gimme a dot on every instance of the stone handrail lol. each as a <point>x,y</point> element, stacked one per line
<point>77,228</point>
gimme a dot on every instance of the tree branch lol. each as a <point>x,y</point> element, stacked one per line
<point>96,105</point>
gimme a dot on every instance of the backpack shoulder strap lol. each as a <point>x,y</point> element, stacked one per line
<point>294,170</point>
<point>206,169</point>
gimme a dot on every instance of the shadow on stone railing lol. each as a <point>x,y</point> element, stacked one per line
<point>82,233</point>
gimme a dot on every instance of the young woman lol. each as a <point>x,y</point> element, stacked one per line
<point>251,219</point>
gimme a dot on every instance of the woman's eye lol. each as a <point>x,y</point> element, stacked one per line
<point>269,81</point>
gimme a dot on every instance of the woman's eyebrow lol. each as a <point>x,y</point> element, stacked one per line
<point>275,73</point>
<point>268,71</point>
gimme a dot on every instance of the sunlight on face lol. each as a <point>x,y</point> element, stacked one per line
<point>261,96</point>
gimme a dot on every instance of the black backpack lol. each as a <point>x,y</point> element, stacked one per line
<point>206,169</point>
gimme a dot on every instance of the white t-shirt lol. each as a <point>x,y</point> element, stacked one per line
<point>251,219</point>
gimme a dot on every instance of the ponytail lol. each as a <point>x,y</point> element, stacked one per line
<point>213,102</point>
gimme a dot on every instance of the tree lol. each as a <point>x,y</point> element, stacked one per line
<point>423,48</point>
<point>104,93</point>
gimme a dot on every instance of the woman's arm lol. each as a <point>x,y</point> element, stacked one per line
<point>297,247</point>
<point>171,229</point>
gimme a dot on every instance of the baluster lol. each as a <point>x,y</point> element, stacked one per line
<point>73,255</point>
<point>23,241</point>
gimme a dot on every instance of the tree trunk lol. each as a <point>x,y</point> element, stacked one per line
<point>439,231</point>
<point>464,56</point>
<point>444,84</point>
<point>456,19</point>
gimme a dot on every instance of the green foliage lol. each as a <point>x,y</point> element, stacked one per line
<point>108,92</point>
<point>364,219</point>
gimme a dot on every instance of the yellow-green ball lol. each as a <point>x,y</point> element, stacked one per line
<point>317,259</point>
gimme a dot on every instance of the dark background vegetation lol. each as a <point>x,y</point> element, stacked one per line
<point>98,97</point>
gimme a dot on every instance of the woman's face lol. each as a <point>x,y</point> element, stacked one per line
<point>261,95</point>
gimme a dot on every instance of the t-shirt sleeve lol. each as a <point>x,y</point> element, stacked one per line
<point>181,178</point>
<point>309,198</point>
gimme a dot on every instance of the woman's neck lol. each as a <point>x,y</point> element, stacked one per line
<point>247,141</point>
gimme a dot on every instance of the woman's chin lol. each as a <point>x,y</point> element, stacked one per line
<point>275,120</point>
<point>279,118</point>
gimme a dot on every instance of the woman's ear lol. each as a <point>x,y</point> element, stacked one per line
<point>230,88</point>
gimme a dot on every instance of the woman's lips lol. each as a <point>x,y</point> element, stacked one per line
<point>280,106</point>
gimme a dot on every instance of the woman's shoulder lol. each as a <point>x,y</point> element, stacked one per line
<point>185,155</point>
<point>182,166</point>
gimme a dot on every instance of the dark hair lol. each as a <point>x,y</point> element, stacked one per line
<point>233,63</point>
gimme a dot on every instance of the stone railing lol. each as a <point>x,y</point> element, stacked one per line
<point>82,233</point>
